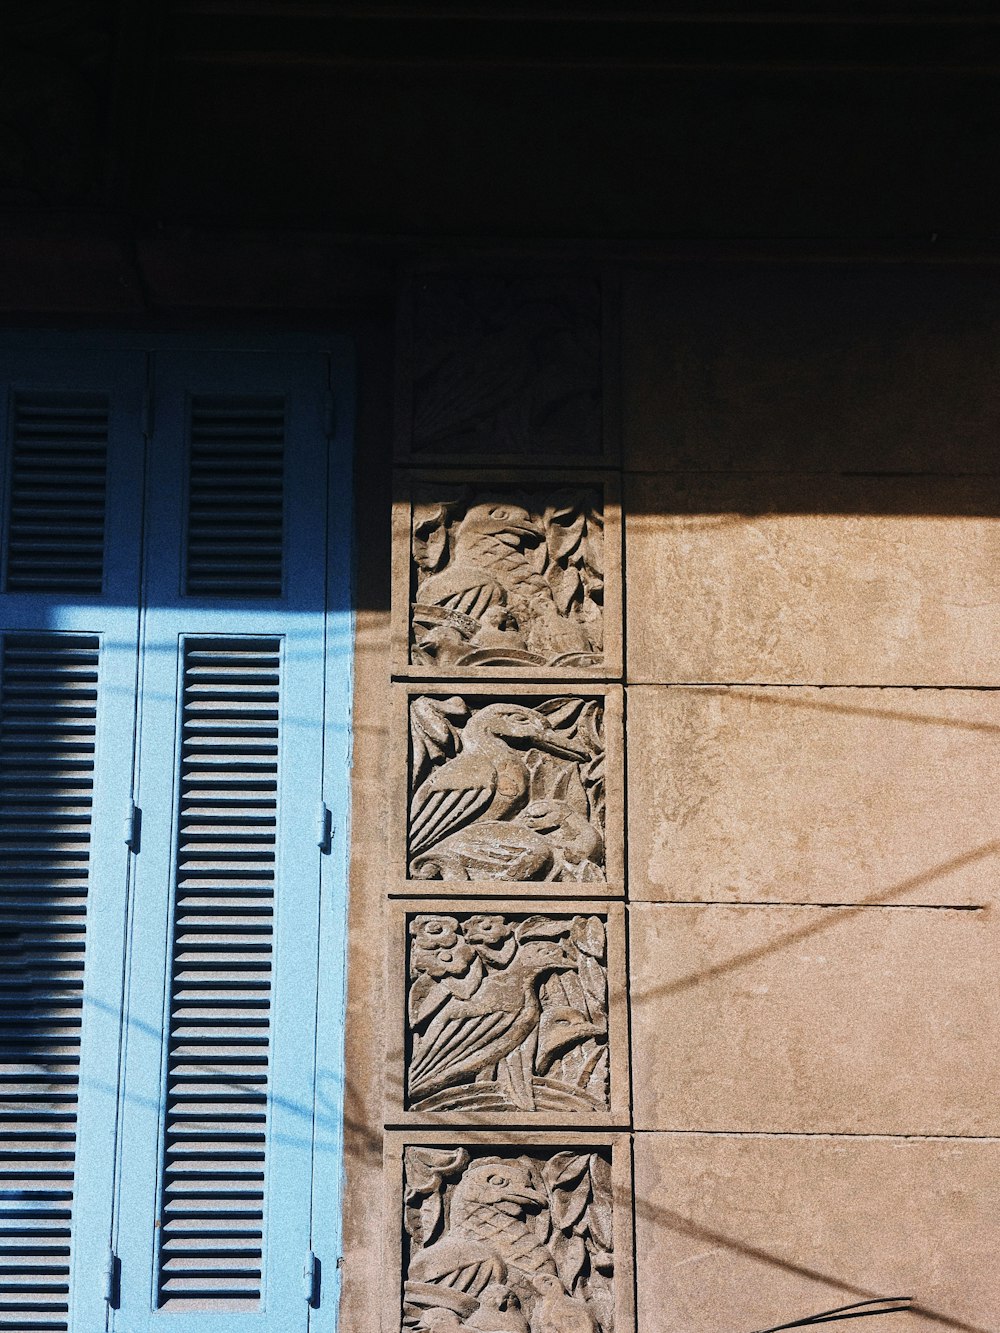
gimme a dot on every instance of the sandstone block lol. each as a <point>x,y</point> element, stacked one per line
<point>853,1020</point>
<point>814,795</point>
<point>812,580</point>
<point>741,1233</point>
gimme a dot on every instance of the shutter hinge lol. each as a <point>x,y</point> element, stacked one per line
<point>310,1279</point>
<point>330,414</point>
<point>133,827</point>
<point>111,1274</point>
<point>324,827</point>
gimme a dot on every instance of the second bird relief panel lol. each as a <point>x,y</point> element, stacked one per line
<point>496,576</point>
<point>506,1013</point>
<point>509,786</point>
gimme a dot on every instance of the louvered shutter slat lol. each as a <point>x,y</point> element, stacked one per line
<point>212,1193</point>
<point>235,516</point>
<point>57,492</point>
<point>48,719</point>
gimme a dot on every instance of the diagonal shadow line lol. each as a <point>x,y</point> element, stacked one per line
<point>673,1221</point>
<point>831,917</point>
<point>856,1310</point>
<point>780,696</point>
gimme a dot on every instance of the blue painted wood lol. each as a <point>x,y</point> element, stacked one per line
<point>307,1059</point>
<point>297,618</point>
<point>332,998</point>
<point>113,616</point>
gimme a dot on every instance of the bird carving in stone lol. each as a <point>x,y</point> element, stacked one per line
<point>558,1312</point>
<point>496,563</point>
<point>490,1237</point>
<point>489,779</point>
<point>468,1038</point>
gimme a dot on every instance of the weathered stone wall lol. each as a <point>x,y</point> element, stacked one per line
<point>675,846</point>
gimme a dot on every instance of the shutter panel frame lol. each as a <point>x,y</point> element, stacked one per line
<point>170,620</point>
<point>331,1006</point>
<point>44,365</point>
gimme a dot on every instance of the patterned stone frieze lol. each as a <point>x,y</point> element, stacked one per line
<point>494,577</point>
<point>510,787</point>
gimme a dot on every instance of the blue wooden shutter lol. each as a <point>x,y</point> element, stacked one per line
<point>69,563</point>
<point>214,1228</point>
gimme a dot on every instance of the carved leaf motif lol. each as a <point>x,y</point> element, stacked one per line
<point>597,1084</point>
<point>561,712</point>
<point>569,1253</point>
<point>426,1167</point>
<point>588,935</point>
<point>426,1220</point>
<point>599,1225</point>
<point>600,1175</point>
<point>565,525</point>
<point>568,1204</point>
<point>539,928</point>
<point>430,537</point>
<point>565,585</point>
<point>594,984</point>
<point>564,1168</point>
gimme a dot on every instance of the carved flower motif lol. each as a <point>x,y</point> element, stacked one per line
<point>485,929</point>
<point>442,962</point>
<point>434,932</point>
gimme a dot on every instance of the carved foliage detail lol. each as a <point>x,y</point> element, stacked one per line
<point>507,577</point>
<point>507,1013</point>
<point>500,1243</point>
<point>506,789</point>
<point>507,366</point>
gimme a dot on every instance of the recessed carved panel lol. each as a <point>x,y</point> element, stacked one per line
<point>507,1012</point>
<point>503,366</point>
<point>509,1241</point>
<point>503,576</point>
<point>506,788</point>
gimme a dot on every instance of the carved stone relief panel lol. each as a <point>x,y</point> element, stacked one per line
<point>493,576</point>
<point>502,366</point>
<point>512,786</point>
<point>512,1237</point>
<point>504,1012</point>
